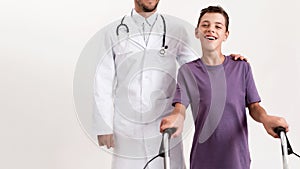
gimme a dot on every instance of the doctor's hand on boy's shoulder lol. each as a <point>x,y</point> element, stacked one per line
<point>174,120</point>
<point>238,57</point>
<point>106,140</point>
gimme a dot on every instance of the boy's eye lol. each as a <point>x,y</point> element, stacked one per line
<point>218,27</point>
<point>205,25</point>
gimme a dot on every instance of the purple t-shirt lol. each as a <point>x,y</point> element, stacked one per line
<point>218,96</point>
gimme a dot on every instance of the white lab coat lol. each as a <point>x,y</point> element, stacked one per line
<point>134,87</point>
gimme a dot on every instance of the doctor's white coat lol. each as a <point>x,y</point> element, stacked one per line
<point>134,87</point>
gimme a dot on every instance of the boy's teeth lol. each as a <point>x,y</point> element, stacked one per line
<point>210,38</point>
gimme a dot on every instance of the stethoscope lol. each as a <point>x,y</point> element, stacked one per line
<point>164,47</point>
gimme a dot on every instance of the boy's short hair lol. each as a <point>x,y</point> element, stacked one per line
<point>215,9</point>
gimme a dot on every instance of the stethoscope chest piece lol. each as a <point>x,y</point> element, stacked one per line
<point>163,51</point>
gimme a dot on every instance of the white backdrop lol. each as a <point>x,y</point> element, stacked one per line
<point>40,42</point>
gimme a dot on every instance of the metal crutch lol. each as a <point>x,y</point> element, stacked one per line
<point>164,150</point>
<point>285,146</point>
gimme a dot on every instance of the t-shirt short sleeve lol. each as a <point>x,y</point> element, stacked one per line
<point>252,95</point>
<point>181,92</point>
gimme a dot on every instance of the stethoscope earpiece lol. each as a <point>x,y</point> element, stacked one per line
<point>122,25</point>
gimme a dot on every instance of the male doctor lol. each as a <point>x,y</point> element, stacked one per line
<point>135,82</point>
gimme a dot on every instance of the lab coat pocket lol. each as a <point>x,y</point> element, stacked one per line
<point>163,106</point>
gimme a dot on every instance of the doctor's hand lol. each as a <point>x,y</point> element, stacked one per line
<point>174,120</point>
<point>106,140</point>
<point>238,57</point>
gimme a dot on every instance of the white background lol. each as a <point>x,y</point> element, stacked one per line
<point>40,42</point>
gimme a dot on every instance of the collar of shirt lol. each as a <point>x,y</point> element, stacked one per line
<point>139,19</point>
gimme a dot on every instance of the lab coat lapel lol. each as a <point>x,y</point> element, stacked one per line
<point>155,38</point>
<point>135,34</point>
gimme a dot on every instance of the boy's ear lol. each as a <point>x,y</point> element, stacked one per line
<point>226,35</point>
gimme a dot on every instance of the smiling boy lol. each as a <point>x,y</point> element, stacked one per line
<point>218,90</point>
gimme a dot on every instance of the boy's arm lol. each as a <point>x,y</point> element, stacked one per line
<point>259,114</point>
<point>175,119</point>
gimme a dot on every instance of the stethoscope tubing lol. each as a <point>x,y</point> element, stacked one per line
<point>162,51</point>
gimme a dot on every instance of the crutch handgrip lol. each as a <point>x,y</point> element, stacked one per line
<point>164,150</point>
<point>279,129</point>
<point>167,133</point>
